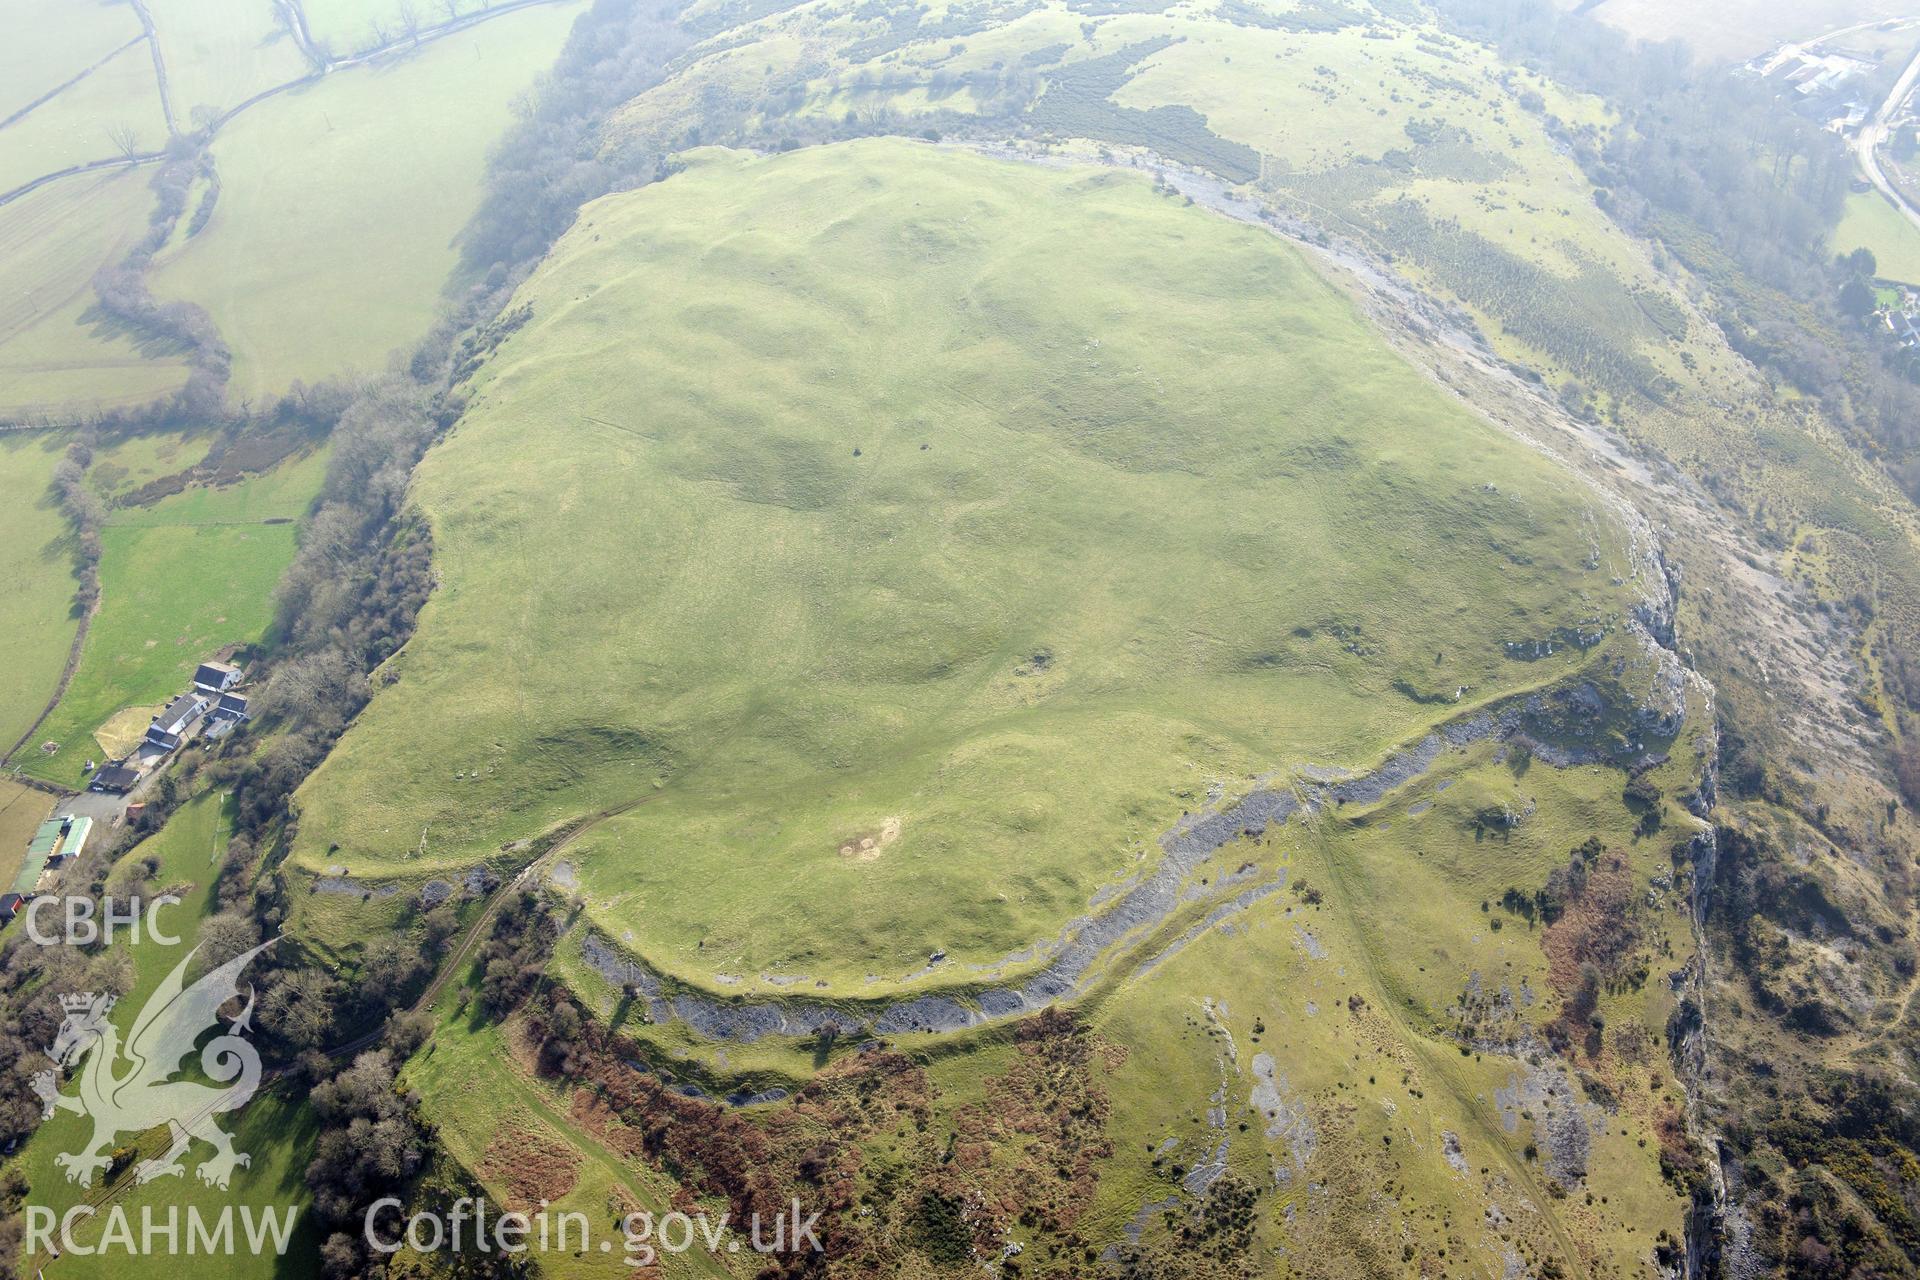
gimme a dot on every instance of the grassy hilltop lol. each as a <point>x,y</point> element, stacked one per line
<point>862,537</point>
<point>991,512</point>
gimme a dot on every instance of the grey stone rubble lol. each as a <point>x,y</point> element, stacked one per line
<point>1138,1225</point>
<point>1562,1123</point>
<point>349,886</point>
<point>1284,1119</point>
<point>1215,918</point>
<point>1138,905</point>
<point>1146,904</point>
<point>1205,1174</point>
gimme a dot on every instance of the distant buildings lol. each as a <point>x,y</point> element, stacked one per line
<point>1852,116</point>
<point>1903,318</point>
<point>1823,85</point>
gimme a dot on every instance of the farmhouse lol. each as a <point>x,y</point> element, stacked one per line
<point>216,677</point>
<point>167,730</point>
<point>229,712</point>
<point>1816,81</point>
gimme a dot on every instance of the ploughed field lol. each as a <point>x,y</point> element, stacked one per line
<point>919,535</point>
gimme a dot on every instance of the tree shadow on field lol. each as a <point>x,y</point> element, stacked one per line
<point>620,1011</point>
<point>105,326</point>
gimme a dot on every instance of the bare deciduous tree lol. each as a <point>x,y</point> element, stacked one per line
<point>124,138</point>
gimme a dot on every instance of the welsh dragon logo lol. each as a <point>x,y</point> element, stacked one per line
<point>141,1095</point>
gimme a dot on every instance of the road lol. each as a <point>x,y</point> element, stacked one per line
<point>1866,144</point>
<point>457,959</point>
<point>1885,24</point>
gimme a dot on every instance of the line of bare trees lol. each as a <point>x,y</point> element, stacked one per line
<point>121,293</point>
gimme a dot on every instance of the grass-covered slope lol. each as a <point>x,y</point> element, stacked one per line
<point>1368,122</point>
<point>988,512</point>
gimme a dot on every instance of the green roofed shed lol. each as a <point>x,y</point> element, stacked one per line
<point>30,871</point>
<point>41,849</point>
<point>78,829</point>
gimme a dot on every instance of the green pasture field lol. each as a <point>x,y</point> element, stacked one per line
<point>36,579</point>
<point>275,1130</point>
<point>397,145</point>
<point>279,496</point>
<point>179,579</point>
<point>76,125</point>
<point>122,465</point>
<point>170,596</point>
<point>22,810</point>
<point>219,53</point>
<point>340,201</point>
<point>1872,223</point>
<point>993,512</point>
<point>49,42</point>
<point>58,355</point>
